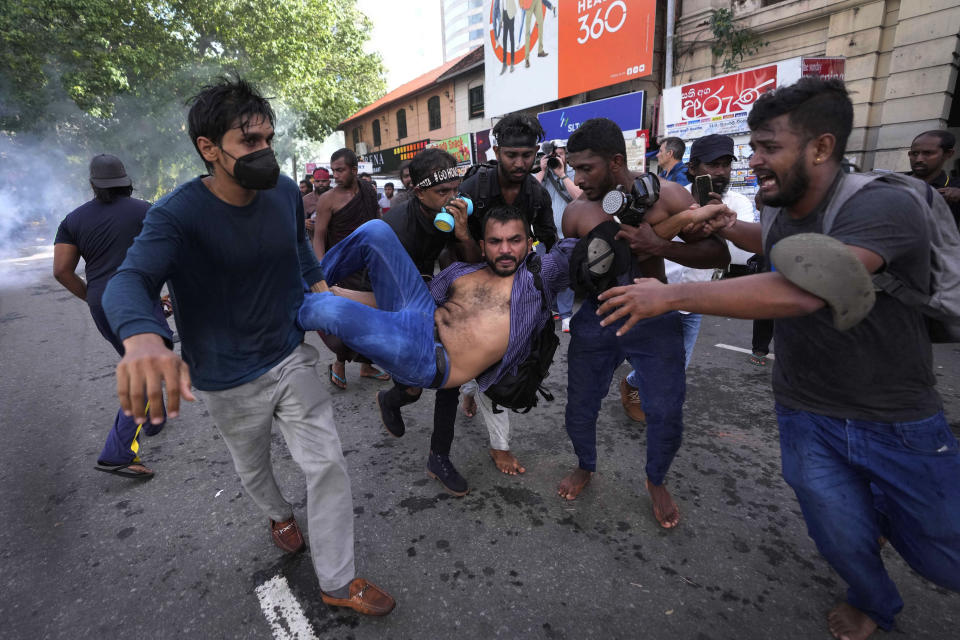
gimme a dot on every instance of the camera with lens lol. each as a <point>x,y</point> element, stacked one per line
<point>631,206</point>
<point>549,149</point>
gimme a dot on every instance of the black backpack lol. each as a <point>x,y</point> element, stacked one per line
<point>519,391</point>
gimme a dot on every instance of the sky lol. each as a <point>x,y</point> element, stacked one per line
<point>406,33</point>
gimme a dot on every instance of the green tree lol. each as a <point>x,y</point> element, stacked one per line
<point>115,74</point>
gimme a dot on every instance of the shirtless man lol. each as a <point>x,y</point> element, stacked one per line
<point>339,212</point>
<point>457,330</point>
<point>596,151</point>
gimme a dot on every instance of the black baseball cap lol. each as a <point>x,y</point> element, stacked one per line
<point>107,171</point>
<point>711,147</point>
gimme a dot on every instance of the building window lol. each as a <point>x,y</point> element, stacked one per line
<point>476,18</point>
<point>767,3</point>
<point>476,3</point>
<point>477,34</point>
<point>433,111</point>
<point>376,133</point>
<point>356,137</point>
<point>401,124</point>
<point>475,99</point>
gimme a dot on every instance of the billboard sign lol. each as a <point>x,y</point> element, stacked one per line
<point>459,147</point>
<point>389,160</point>
<point>721,104</point>
<point>625,110</point>
<point>534,55</point>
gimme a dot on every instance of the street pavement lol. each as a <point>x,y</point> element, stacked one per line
<point>89,555</point>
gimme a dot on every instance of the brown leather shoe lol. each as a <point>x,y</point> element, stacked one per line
<point>365,597</point>
<point>630,399</point>
<point>286,535</point>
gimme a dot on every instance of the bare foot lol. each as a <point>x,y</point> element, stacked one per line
<point>664,508</point>
<point>370,371</point>
<point>849,623</point>
<point>469,406</point>
<point>506,462</point>
<point>571,486</point>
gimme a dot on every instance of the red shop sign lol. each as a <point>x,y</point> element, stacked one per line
<point>823,67</point>
<point>726,95</point>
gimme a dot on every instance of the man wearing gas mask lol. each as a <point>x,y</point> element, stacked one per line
<point>233,245</point>
<point>651,213</point>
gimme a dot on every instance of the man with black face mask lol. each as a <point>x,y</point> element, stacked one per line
<point>234,248</point>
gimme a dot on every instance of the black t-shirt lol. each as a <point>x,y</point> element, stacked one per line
<point>416,232</point>
<point>102,233</point>
<point>941,181</point>
<point>533,200</point>
<point>881,369</point>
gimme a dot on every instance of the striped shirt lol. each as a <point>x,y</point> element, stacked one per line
<point>527,315</point>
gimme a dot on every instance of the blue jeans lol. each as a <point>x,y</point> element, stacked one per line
<point>398,334</point>
<point>655,347</point>
<point>857,480</point>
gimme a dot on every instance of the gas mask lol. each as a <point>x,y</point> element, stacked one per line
<point>444,221</point>
<point>631,207</point>
<point>257,171</point>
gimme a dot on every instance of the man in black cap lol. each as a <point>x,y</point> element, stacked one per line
<point>712,156</point>
<point>100,232</point>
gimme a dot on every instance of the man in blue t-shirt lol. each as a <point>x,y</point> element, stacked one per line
<point>234,248</point>
<point>100,232</point>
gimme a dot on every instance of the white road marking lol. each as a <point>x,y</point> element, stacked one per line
<point>283,612</point>
<point>218,493</point>
<point>741,350</point>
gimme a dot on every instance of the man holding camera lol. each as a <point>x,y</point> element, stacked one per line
<point>597,152</point>
<point>557,178</point>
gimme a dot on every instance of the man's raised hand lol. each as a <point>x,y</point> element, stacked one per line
<point>147,366</point>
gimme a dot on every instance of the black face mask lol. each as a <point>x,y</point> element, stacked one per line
<point>258,170</point>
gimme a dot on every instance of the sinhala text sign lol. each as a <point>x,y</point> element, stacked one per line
<point>722,104</point>
<point>534,55</point>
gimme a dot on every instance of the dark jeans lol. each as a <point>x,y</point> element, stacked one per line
<point>654,347</point>
<point>762,335</point>
<point>857,480</point>
<point>121,446</point>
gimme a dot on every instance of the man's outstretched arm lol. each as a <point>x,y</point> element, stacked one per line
<point>148,362</point>
<point>764,295</point>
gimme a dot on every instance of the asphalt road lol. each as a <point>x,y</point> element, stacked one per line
<point>87,555</point>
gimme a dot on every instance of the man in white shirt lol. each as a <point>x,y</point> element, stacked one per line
<point>712,156</point>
